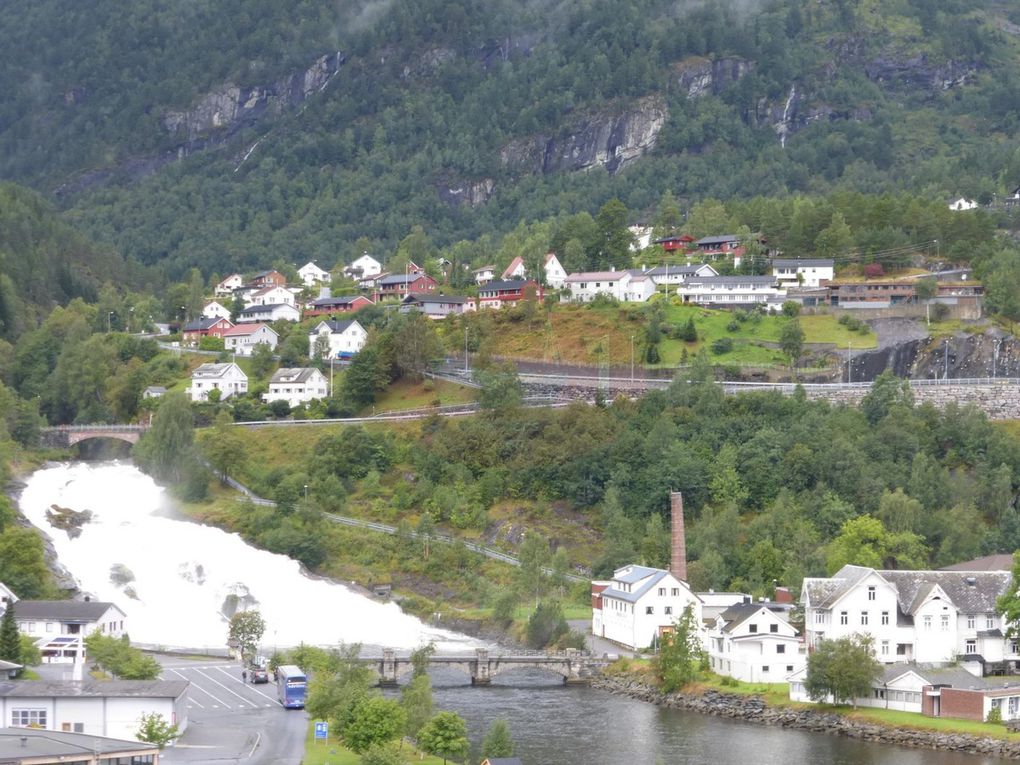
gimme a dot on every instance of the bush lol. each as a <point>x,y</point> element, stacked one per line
<point>940,312</point>
<point>733,326</point>
<point>791,308</point>
<point>546,624</point>
<point>874,270</point>
<point>722,345</point>
<point>994,715</point>
<point>741,315</point>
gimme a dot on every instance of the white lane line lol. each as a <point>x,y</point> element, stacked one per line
<point>258,738</point>
<point>200,688</point>
<point>250,686</point>
<point>221,685</point>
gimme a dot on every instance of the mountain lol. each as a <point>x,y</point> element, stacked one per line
<point>228,134</point>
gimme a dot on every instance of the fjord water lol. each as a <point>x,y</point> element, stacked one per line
<point>184,571</point>
<point>175,578</point>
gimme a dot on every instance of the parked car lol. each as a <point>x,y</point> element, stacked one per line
<point>258,675</point>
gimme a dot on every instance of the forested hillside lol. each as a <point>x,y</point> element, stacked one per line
<point>224,134</point>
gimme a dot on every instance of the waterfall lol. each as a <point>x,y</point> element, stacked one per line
<point>783,128</point>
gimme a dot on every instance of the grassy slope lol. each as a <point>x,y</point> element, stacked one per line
<point>332,752</point>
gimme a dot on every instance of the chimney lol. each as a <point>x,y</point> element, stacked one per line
<point>678,560</point>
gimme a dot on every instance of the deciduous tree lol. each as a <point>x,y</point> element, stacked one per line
<point>845,669</point>
<point>445,736</point>
<point>681,655</point>
<point>498,742</point>
<point>246,630</point>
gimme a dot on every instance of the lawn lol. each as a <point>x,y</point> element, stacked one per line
<point>407,394</point>
<point>332,752</point>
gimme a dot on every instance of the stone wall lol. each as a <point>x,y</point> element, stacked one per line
<point>1000,401</point>
<point>754,709</point>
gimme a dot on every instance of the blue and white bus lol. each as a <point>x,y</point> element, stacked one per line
<point>291,685</point>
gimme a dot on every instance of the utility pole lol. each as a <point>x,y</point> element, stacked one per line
<point>946,348</point>
<point>632,358</point>
<point>465,347</point>
<point>849,362</point>
<point>109,320</point>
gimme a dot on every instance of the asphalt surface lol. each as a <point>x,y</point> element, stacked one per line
<point>230,721</point>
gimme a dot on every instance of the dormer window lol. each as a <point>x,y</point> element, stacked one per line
<point>871,592</point>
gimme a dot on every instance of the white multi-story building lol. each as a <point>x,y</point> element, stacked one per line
<point>269,313</point>
<point>814,272</point>
<point>228,379</point>
<point>243,338</point>
<point>59,627</point>
<point>732,290</point>
<point>311,274</point>
<point>270,295</point>
<point>674,275</point>
<point>215,310</point>
<point>485,274</point>
<point>345,338</point>
<point>296,385</point>
<point>754,643</point>
<point>228,285</point>
<point>932,617</point>
<point>555,275</point>
<point>585,286</point>
<point>639,604</point>
<point>364,267</point>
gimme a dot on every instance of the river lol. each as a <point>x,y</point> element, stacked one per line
<point>182,572</point>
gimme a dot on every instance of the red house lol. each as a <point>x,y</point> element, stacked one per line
<point>268,279</point>
<point>399,285</point>
<point>500,293</point>
<point>680,243</point>
<point>194,331</point>
<point>328,306</point>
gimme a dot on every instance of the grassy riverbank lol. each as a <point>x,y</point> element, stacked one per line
<point>776,695</point>
<point>332,752</point>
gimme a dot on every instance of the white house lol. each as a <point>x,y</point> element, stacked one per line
<point>437,306</point>
<point>59,627</point>
<point>933,617</point>
<point>270,295</point>
<point>269,313</point>
<point>311,274</point>
<point>228,379</point>
<point>804,272</point>
<point>243,338</point>
<point>554,273</point>
<point>109,708</point>
<point>642,237</point>
<point>958,205</point>
<point>297,385</point>
<point>674,275</point>
<point>345,338</point>
<point>485,274</point>
<point>154,391</point>
<point>585,286</point>
<point>215,310</point>
<point>364,267</point>
<point>639,287</point>
<point>754,643</point>
<point>6,596</point>
<point>228,285</point>
<point>731,290</point>
<point>638,604</point>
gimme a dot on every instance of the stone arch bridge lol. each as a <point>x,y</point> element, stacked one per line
<point>64,436</point>
<point>575,667</point>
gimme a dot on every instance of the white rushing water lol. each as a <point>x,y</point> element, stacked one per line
<point>183,573</point>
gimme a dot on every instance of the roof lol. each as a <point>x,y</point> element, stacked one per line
<point>199,324</point>
<point>254,309</point>
<point>214,370</point>
<point>957,677</point>
<point>587,276</point>
<point>736,615</point>
<point>247,329</point>
<point>803,263</point>
<point>65,610</point>
<point>341,300</point>
<point>515,264</point>
<point>999,562</point>
<point>311,264</point>
<point>635,595</point>
<point>418,297</point>
<point>678,270</point>
<point>164,689</point>
<point>267,289</point>
<point>335,327</point>
<point>722,239</point>
<point>293,375</point>
<point>509,285</point>
<point>260,274</point>
<point>484,268</point>
<point>155,389</point>
<point>402,278</point>
<point>732,280</point>
<point>636,574</point>
<point>18,744</point>
<point>7,665</point>
<point>823,592</point>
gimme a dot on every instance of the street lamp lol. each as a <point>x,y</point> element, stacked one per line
<point>109,321</point>
<point>131,315</point>
<point>632,359</point>
<point>306,492</point>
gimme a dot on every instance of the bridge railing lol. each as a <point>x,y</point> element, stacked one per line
<point>93,428</point>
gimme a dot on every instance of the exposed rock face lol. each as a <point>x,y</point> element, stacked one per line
<point>611,141</point>
<point>67,519</point>
<point>231,107</point>
<point>918,73</point>
<point>700,76</point>
<point>467,193</point>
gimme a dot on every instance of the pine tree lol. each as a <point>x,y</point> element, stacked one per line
<point>10,640</point>
<point>497,741</point>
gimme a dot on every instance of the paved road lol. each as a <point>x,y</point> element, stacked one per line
<point>230,721</point>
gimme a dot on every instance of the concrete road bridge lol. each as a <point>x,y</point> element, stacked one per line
<point>64,436</point>
<point>575,667</point>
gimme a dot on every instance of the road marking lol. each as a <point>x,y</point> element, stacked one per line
<point>193,701</point>
<point>203,690</point>
<point>258,738</point>
<point>221,685</point>
<point>247,685</point>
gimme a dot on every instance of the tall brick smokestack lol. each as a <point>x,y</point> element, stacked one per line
<point>678,559</point>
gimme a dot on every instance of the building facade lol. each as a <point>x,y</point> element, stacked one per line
<point>754,643</point>
<point>244,338</point>
<point>342,339</point>
<point>297,385</point>
<point>59,627</point>
<point>639,604</point>
<point>815,272</point>
<point>228,379</point>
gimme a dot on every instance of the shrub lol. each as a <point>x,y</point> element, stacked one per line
<point>940,311</point>
<point>733,326</point>
<point>741,315</point>
<point>791,308</point>
<point>994,715</point>
<point>874,270</point>
<point>722,345</point>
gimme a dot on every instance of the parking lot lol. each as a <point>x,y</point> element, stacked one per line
<point>230,720</point>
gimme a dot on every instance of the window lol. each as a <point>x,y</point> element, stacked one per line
<point>970,646</point>
<point>79,727</point>
<point>819,617</point>
<point>669,610</point>
<point>990,622</point>
<point>944,623</point>
<point>864,617</point>
<point>885,618</point>
<point>752,627</point>
<point>662,591</point>
<point>927,623</point>
<point>675,592</point>
<point>781,648</point>
<point>764,670</point>
<point>871,592</point>
<point>49,626</point>
<point>789,668</point>
<point>844,617</point>
<point>885,647</point>
<point>901,649</point>
<point>773,628</point>
<point>970,621</point>
<point>649,609</point>
<point>1014,647</point>
<point>22,718</point>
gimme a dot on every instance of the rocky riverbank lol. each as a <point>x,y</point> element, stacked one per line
<point>753,709</point>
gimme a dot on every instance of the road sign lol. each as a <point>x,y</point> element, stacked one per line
<point>321,730</point>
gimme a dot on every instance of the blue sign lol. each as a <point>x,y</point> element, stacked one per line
<point>321,730</point>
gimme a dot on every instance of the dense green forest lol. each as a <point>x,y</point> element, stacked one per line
<point>435,97</point>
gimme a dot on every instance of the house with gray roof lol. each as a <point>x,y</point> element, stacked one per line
<point>732,291</point>
<point>96,708</point>
<point>32,746</point>
<point>756,643</point>
<point>929,617</point>
<point>59,627</point>
<point>803,272</point>
<point>674,275</point>
<point>639,604</point>
<point>296,385</point>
